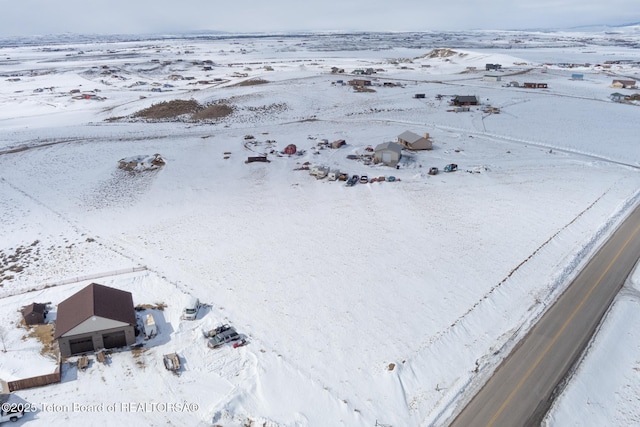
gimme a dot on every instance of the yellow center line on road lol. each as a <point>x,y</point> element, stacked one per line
<point>564,326</point>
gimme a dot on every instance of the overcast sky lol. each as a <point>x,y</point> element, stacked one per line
<point>38,17</point>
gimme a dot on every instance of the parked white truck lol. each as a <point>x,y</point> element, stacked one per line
<point>11,412</point>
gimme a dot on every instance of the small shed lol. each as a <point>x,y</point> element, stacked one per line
<point>388,153</point>
<point>338,143</point>
<point>290,149</point>
<point>34,314</point>
<point>413,141</point>
<point>577,76</point>
<point>494,67</point>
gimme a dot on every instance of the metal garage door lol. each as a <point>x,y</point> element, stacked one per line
<point>81,345</point>
<point>386,157</point>
<point>114,339</point>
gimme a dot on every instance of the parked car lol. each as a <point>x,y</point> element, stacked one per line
<point>213,332</point>
<point>190,311</point>
<point>223,337</point>
<point>364,179</point>
<point>11,411</point>
<point>433,171</point>
<point>353,180</point>
<point>451,167</point>
<point>343,177</point>
<point>391,178</point>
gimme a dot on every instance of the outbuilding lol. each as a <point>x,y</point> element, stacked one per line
<point>388,153</point>
<point>94,318</point>
<point>624,84</point>
<point>464,100</point>
<point>413,141</point>
<point>34,314</point>
<point>338,143</point>
<point>359,82</point>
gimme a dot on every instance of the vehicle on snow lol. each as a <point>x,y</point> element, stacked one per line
<point>218,329</point>
<point>190,311</point>
<point>221,338</point>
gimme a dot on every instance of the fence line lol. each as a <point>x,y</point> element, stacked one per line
<point>39,381</point>
<point>78,279</point>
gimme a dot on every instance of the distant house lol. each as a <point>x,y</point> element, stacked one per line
<point>388,153</point>
<point>535,85</point>
<point>624,84</point>
<point>34,314</point>
<point>491,78</point>
<point>464,100</point>
<point>617,97</point>
<point>413,141</point>
<point>359,82</point>
<point>338,143</point>
<point>94,318</point>
<point>492,67</point>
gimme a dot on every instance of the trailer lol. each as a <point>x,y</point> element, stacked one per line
<point>150,328</point>
<point>83,363</point>
<point>172,363</point>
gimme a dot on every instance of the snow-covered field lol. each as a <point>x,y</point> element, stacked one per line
<point>385,303</point>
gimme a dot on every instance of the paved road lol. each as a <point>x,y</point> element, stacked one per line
<point>521,390</point>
